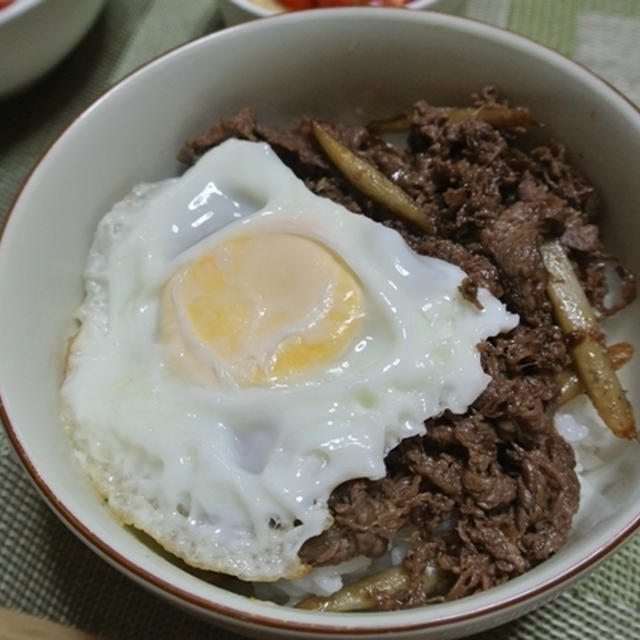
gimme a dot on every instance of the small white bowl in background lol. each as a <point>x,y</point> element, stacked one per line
<point>350,65</point>
<point>36,34</point>
<point>237,11</point>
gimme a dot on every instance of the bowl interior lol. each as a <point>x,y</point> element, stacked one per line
<point>348,67</point>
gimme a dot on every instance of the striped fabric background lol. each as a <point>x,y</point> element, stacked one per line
<point>44,570</point>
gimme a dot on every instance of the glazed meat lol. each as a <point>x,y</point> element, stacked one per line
<point>489,494</point>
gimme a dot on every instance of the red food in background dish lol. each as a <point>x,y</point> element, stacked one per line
<point>313,4</point>
<point>5,3</point>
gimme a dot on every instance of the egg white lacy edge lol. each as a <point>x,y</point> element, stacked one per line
<point>127,461</point>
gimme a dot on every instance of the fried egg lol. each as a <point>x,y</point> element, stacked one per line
<point>245,346</point>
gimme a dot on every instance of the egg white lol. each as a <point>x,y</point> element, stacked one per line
<point>236,479</point>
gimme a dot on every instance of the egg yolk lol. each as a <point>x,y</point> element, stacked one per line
<point>261,309</point>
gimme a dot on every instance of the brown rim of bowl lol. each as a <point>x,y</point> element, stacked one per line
<point>235,614</point>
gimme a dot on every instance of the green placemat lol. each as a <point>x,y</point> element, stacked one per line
<point>44,569</point>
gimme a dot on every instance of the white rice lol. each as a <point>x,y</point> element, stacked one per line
<point>595,448</point>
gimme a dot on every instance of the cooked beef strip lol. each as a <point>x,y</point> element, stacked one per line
<point>491,493</point>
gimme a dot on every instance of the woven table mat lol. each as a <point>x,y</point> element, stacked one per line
<point>44,569</point>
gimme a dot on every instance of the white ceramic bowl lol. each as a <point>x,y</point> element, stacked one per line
<point>36,34</point>
<point>236,11</point>
<point>347,65</point>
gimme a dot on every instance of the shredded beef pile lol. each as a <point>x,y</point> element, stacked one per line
<point>491,493</point>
